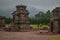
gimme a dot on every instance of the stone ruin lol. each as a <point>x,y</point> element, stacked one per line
<point>20,19</point>
<point>2,22</point>
<point>55,21</point>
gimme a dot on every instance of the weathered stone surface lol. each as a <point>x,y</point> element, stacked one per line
<point>2,22</point>
<point>55,21</point>
<point>20,19</point>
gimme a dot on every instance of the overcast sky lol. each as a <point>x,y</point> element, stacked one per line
<point>38,4</point>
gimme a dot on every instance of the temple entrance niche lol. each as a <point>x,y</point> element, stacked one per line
<point>20,18</point>
<point>51,27</point>
<point>55,21</point>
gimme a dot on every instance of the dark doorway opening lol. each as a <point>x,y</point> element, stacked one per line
<point>59,27</point>
<point>51,26</point>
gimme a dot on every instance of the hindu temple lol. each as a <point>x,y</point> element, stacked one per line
<point>55,21</point>
<point>20,18</point>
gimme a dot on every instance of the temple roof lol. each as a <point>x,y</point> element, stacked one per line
<point>56,9</point>
<point>18,6</point>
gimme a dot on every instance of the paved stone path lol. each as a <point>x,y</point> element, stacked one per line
<point>33,35</point>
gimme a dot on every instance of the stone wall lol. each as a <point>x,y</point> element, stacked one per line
<point>55,21</point>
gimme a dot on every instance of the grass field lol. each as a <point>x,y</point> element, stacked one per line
<point>54,39</point>
<point>40,26</point>
<point>32,25</point>
<point>7,25</point>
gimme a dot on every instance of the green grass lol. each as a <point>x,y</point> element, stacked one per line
<point>7,25</point>
<point>32,25</point>
<point>40,26</point>
<point>54,39</point>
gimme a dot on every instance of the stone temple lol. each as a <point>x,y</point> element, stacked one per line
<point>2,22</point>
<point>55,21</point>
<point>20,18</point>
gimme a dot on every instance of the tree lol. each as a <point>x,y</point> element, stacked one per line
<point>40,14</point>
<point>39,17</point>
<point>48,14</point>
<point>8,20</point>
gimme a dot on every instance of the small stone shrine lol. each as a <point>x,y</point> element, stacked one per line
<point>20,18</point>
<point>55,21</point>
<point>2,22</point>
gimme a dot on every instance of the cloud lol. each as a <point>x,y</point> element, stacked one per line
<point>37,4</point>
<point>45,4</point>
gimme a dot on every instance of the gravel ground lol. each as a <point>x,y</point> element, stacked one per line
<point>32,35</point>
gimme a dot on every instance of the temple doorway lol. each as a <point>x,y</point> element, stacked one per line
<point>51,26</point>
